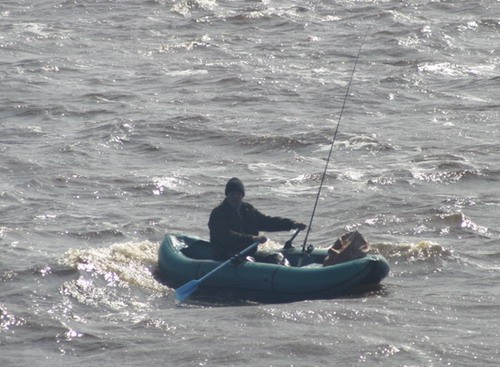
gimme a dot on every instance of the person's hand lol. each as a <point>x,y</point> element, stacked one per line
<point>299,225</point>
<point>261,239</point>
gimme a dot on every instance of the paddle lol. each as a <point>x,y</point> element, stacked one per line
<point>190,287</point>
<point>288,244</point>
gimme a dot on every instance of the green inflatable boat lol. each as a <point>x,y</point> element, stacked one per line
<point>183,259</point>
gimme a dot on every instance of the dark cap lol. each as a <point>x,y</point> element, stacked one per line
<point>234,184</point>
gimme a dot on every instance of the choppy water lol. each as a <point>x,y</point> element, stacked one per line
<point>122,120</point>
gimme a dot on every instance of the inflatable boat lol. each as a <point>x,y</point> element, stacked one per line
<point>184,258</point>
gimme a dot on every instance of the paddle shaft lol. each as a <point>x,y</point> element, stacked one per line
<point>288,244</point>
<point>242,253</point>
<point>190,287</point>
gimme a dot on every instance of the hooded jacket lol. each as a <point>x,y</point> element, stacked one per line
<point>232,231</point>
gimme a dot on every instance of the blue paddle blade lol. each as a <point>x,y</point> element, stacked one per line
<point>186,290</point>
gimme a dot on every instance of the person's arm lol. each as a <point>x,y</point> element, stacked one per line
<point>273,224</point>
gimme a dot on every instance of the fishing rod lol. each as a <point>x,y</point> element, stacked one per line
<point>304,245</point>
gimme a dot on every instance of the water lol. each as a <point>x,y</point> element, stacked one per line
<point>122,120</point>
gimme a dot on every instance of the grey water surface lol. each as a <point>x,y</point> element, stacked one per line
<point>122,120</point>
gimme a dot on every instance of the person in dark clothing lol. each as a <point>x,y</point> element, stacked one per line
<point>234,225</point>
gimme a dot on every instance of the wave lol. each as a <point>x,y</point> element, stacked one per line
<point>454,71</point>
<point>460,221</point>
<point>101,234</point>
<point>413,252</point>
<point>321,140</point>
<point>272,141</point>
<point>185,7</point>
<point>444,168</point>
<point>105,270</point>
<point>445,177</point>
<point>9,320</point>
<point>365,142</point>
